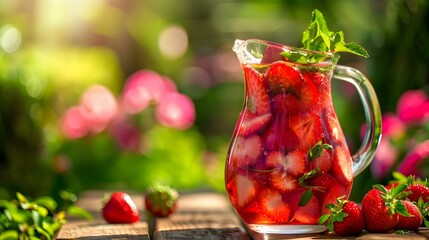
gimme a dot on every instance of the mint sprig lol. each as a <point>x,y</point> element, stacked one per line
<point>318,37</point>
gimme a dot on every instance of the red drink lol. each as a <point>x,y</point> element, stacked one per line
<point>288,157</point>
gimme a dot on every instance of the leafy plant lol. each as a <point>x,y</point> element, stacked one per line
<point>41,218</point>
<point>318,37</point>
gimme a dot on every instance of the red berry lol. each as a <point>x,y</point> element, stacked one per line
<point>308,128</point>
<point>283,79</point>
<point>120,208</point>
<point>345,218</point>
<point>161,200</point>
<point>309,213</point>
<point>336,191</point>
<point>257,100</point>
<point>245,151</point>
<point>412,222</point>
<point>293,162</point>
<point>272,205</point>
<point>280,137</point>
<point>342,166</point>
<point>418,191</point>
<point>377,216</point>
<point>251,123</point>
<point>283,181</point>
<point>245,190</point>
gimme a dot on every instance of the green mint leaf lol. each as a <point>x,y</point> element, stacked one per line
<point>353,48</point>
<point>75,211</point>
<point>308,175</point>
<point>323,219</point>
<point>305,198</point>
<point>317,150</point>
<point>318,37</point>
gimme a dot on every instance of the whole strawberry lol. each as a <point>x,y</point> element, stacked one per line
<point>416,191</point>
<point>120,208</point>
<point>161,200</point>
<point>345,218</point>
<point>411,222</point>
<point>380,208</point>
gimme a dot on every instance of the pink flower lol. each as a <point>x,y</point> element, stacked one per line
<point>100,106</point>
<point>143,88</point>
<point>176,110</point>
<point>413,106</point>
<point>392,126</point>
<point>384,159</point>
<point>73,123</point>
<point>127,135</point>
<point>411,163</point>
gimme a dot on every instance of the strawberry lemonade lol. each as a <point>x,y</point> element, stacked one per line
<point>288,158</point>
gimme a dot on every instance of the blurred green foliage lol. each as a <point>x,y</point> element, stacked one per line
<point>66,46</point>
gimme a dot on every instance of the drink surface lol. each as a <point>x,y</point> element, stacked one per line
<point>288,157</point>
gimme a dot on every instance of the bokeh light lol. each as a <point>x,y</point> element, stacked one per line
<point>173,42</point>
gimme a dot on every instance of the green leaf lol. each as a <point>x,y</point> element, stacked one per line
<point>9,235</point>
<point>351,47</point>
<point>397,190</point>
<point>79,212</point>
<point>308,175</point>
<point>401,209</point>
<point>47,202</point>
<point>305,198</point>
<point>323,219</point>
<point>317,149</point>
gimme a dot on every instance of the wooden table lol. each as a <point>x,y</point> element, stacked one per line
<point>200,215</point>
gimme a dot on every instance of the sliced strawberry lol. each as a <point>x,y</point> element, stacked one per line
<point>272,205</point>
<point>324,162</point>
<point>280,137</point>
<point>321,185</point>
<point>308,214</point>
<point>336,191</point>
<point>283,78</point>
<point>272,54</point>
<point>257,100</point>
<point>294,162</point>
<point>245,151</point>
<point>308,97</point>
<point>250,123</point>
<point>245,190</point>
<point>283,181</point>
<point>308,128</point>
<point>320,80</point>
<point>333,127</point>
<point>285,103</point>
<point>342,166</point>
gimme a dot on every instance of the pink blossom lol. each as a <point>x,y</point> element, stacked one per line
<point>413,106</point>
<point>392,126</point>
<point>176,110</point>
<point>127,135</point>
<point>384,159</point>
<point>412,161</point>
<point>100,105</point>
<point>144,87</point>
<point>74,123</point>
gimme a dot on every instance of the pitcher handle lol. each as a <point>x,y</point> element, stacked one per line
<point>364,155</point>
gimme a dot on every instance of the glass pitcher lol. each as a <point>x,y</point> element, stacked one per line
<point>288,157</point>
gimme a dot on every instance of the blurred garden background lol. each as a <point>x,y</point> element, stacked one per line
<point>69,118</point>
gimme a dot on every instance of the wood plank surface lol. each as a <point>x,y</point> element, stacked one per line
<point>200,215</point>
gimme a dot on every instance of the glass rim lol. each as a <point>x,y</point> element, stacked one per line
<point>329,56</point>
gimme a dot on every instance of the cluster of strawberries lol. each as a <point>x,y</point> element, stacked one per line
<point>159,201</point>
<point>397,206</point>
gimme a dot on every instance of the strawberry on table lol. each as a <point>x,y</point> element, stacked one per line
<point>120,208</point>
<point>411,222</point>
<point>272,205</point>
<point>418,191</point>
<point>381,208</point>
<point>161,200</point>
<point>344,218</point>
